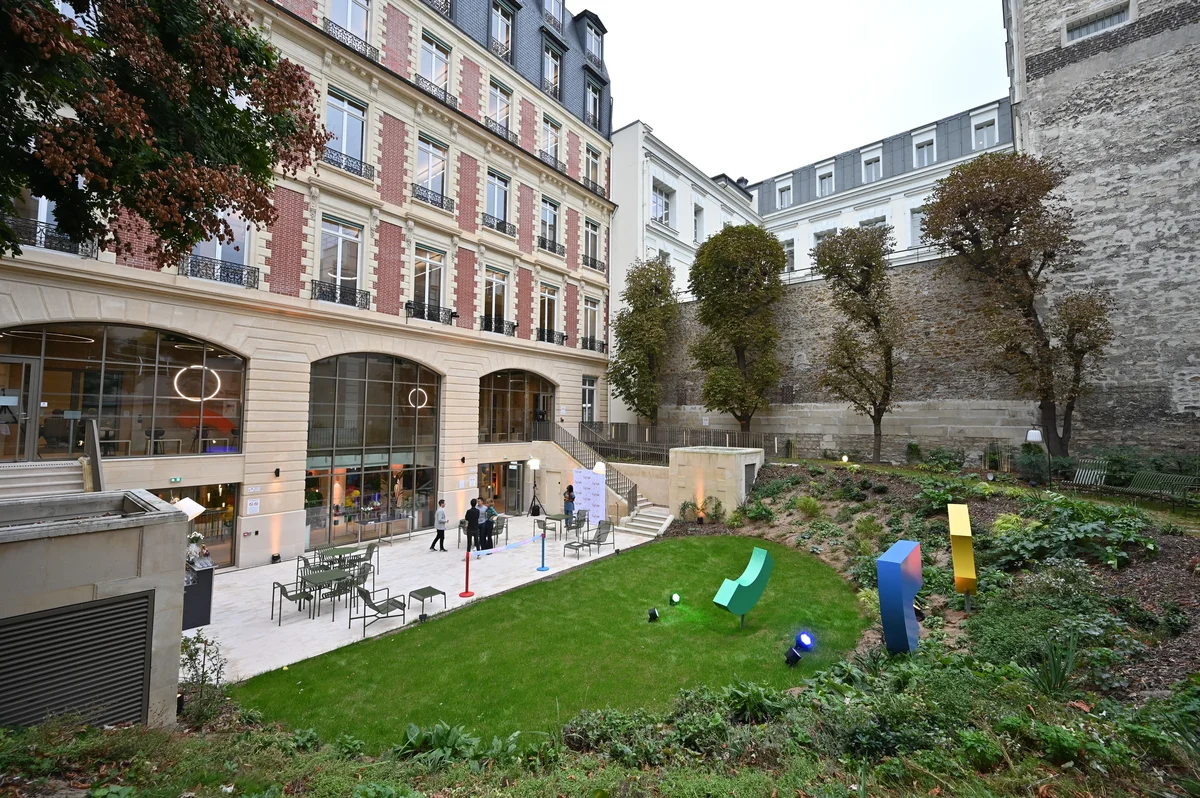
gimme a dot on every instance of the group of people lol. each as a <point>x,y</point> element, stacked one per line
<point>481,521</point>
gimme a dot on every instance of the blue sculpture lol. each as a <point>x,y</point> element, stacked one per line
<point>899,570</point>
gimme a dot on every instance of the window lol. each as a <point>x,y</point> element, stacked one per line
<point>923,154</point>
<point>820,236</point>
<point>985,134</point>
<point>551,136</point>
<point>340,245</point>
<point>351,15</point>
<point>1099,21</point>
<point>591,318</point>
<point>509,402</point>
<point>548,308</point>
<point>592,166</point>
<point>916,217</point>
<point>825,184</point>
<point>431,165</point>
<point>664,256</point>
<point>500,105</point>
<point>501,30</point>
<point>789,255</point>
<point>785,197</point>
<point>697,223</point>
<point>589,400</point>
<point>554,9</point>
<point>549,220</point>
<point>874,221</point>
<point>346,120</point>
<point>495,288</point>
<point>229,251</point>
<point>497,196</point>
<point>591,241</point>
<point>660,205</point>
<point>872,170</point>
<point>435,62</point>
<point>427,276</point>
<point>595,42</point>
<point>593,105</point>
<point>551,70</point>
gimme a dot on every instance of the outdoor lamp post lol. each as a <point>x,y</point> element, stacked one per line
<point>534,464</point>
<point>1035,436</point>
<point>600,468</point>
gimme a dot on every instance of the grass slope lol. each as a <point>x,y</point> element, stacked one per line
<point>532,658</point>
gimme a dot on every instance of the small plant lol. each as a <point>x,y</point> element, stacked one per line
<point>248,716</point>
<point>912,453</point>
<point>112,791</point>
<point>808,506</point>
<point>980,749</point>
<point>869,599</point>
<point>374,790</point>
<point>879,488</point>
<point>845,515</point>
<point>202,674</point>
<point>713,509</point>
<point>689,511</point>
<point>945,460</point>
<point>735,520</point>
<point>1053,673</point>
<point>349,747</point>
<point>306,740</point>
<point>816,470</point>
<point>757,511</point>
<point>753,703</point>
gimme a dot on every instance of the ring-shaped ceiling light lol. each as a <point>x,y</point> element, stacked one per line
<point>182,395</point>
<point>424,398</point>
<point>63,338</point>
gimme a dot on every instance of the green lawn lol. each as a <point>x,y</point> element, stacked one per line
<point>530,659</point>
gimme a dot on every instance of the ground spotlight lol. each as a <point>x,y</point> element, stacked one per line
<point>653,615</point>
<point>805,641</point>
<point>793,657</point>
<point>674,599</point>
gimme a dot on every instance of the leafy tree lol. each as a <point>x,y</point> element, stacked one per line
<point>177,111</point>
<point>735,279</point>
<point>643,332</point>
<point>1008,232</point>
<point>859,366</point>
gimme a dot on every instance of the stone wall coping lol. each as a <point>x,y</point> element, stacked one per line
<point>715,450</point>
<point>42,517</point>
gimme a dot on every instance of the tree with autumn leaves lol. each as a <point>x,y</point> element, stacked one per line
<point>1008,232</point>
<point>177,111</point>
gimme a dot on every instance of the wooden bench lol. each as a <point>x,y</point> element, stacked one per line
<point>1172,488</point>
<point>1090,473</point>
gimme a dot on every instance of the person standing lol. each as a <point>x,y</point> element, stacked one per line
<point>439,526</point>
<point>569,500</point>
<point>473,525</point>
<point>489,522</point>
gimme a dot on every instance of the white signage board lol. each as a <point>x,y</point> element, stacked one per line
<point>590,494</point>
<point>252,506</point>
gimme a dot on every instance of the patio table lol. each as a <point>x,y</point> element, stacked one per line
<point>319,579</point>
<point>422,593</point>
<point>559,520</point>
<point>338,553</point>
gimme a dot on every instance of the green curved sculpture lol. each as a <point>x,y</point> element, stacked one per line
<point>740,597</point>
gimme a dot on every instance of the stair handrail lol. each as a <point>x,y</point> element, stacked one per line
<point>91,449</point>
<point>617,482</point>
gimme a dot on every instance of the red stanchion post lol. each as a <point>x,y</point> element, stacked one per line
<point>467,587</point>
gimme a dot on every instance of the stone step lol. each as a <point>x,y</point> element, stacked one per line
<point>41,478</point>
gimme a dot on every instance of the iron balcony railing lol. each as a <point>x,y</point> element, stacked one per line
<point>350,40</point>
<point>341,295</point>
<point>432,197</point>
<point>32,233</point>
<point>594,187</point>
<point>592,120</point>
<point>423,310</point>
<point>429,87</point>
<point>595,59</point>
<point>500,49</point>
<point>348,163</point>
<point>671,437</point>
<point>550,159</point>
<point>553,21</point>
<point>440,6</point>
<point>586,456</point>
<point>502,130</point>
<point>550,87</point>
<point>593,344</point>
<point>497,324</point>
<point>593,434</point>
<point>551,337</point>
<point>499,225</point>
<point>593,263</point>
<point>550,245</point>
<point>222,271</point>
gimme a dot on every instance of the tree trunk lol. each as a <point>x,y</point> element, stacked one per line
<point>1055,444</point>
<point>877,421</point>
<point>744,421</point>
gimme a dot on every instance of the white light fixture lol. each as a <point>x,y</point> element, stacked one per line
<point>600,468</point>
<point>424,401</point>
<point>182,395</point>
<point>845,458</point>
<point>192,507</point>
<point>534,464</point>
<point>1033,436</point>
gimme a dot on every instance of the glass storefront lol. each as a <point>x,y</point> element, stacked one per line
<point>152,393</point>
<point>509,404</point>
<point>219,519</point>
<point>372,448</point>
<point>504,483</point>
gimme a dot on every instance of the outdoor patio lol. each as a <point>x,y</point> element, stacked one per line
<point>255,643</point>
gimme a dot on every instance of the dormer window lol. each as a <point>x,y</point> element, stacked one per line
<point>595,43</point>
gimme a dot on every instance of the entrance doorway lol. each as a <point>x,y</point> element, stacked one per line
<point>219,519</point>
<point>503,482</point>
<point>19,401</point>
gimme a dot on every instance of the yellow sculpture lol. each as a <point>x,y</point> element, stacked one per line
<point>962,548</point>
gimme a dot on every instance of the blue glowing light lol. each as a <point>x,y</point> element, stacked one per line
<point>804,640</point>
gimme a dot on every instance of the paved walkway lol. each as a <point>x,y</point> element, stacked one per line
<point>254,643</point>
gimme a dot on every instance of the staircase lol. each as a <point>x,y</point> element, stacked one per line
<point>42,478</point>
<point>648,520</point>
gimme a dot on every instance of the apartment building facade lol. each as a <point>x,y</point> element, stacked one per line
<point>435,287</point>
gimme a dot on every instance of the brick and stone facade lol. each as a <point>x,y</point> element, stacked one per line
<point>284,263</point>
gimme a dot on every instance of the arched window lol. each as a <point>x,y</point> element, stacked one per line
<point>510,402</point>
<point>152,393</point>
<point>372,448</point>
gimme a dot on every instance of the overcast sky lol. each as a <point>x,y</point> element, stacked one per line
<point>758,87</point>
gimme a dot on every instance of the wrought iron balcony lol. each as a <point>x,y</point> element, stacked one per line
<point>440,6</point>
<point>594,263</point>
<point>594,187</point>
<point>341,294</point>
<point>595,59</point>
<point>554,22</point>
<point>222,271</point>
<point>500,49</point>
<point>350,40</point>
<point>429,87</point>
<point>593,344</point>
<point>499,225</point>
<point>32,233</point>
<point>550,245</point>
<point>592,120</point>
<point>497,324</point>
<point>502,130</point>
<point>549,159</point>
<point>551,337</point>
<point>422,310</point>
<point>348,163</point>
<point>550,87</point>
<point>432,197</point>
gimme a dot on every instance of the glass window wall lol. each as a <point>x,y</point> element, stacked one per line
<point>509,404</point>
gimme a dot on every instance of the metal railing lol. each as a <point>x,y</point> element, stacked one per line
<point>500,49</point>
<point>429,87</point>
<point>550,245</point>
<point>550,87</point>
<point>671,437</point>
<point>594,263</point>
<point>499,225</point>
<point>595,59</point>
<point>348,163</point>
<point>592,120</point>
<point>554,22</point>
<point>645,453</point>
<point>341,295</point>
<point>497,324</point>
<point>32,233</point>
<point>502,130</point>
<point>423,310</point>
<point>551,160</point>
<point>593,344</point>
<point>350,40</point>
<point>587,457</point>
<point>594,187</point>
<point>430,196</point>
<point>222,271</point>
<point>550,336</point>
<point>440,6</point>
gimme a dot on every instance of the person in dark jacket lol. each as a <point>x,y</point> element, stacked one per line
<point>473,525</point>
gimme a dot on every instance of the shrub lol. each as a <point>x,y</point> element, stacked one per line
<point>845,515</point>
<point>774,487</point>
<point>735,520</point>
<point>753,703</point>
<point>202,674</point>
<point>373,790</point>
<point>879,488</point>
<point>979,749</point>
<point>869,599</point>
<point>1007,523</point>
<point>306,740</point>
<point>1075,528</point>
<point>1053,673</point>
<point>946,460</point>
<point>816,470</point>
<point>912,453</point>
<point>868,530</point>
<point>808,506</point>
<point>349,746</point>
<point>757,511</point>
<point>714,509</point>
<point>689,510</point>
